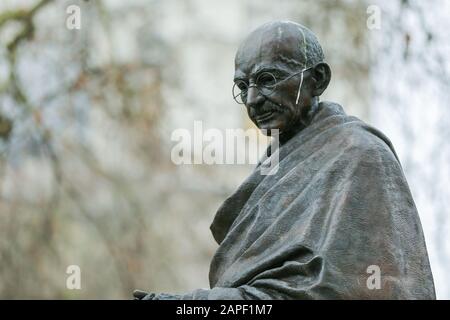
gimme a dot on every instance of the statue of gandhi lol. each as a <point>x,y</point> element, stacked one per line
<point>337,220</point>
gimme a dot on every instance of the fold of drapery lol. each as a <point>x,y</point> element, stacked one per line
<point>338,208</point>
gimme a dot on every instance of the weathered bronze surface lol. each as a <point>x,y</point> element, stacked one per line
<point>337,213</point>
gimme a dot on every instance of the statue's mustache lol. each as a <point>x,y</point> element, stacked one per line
<point>268,106</point>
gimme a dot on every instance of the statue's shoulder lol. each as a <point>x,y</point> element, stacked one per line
<point>351,134</point>
<point>361,138</point>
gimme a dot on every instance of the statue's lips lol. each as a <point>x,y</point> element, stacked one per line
<point>265,116</point>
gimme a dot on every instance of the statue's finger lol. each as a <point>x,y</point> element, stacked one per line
<point>149,296</point>
<point>139,294</point>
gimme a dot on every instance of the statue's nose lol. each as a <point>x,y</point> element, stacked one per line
<point>254,98</point>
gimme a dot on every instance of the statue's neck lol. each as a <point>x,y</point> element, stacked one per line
<point>303,121</point>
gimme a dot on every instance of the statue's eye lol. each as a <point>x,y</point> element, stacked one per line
<point>266,79</point>
<point>242,85</point>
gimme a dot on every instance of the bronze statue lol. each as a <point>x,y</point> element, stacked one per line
<point>336,215</point>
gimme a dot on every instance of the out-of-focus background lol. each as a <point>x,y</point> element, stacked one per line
<point>86,117</point>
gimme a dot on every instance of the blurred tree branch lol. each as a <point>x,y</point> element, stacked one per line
<point>26,33</point>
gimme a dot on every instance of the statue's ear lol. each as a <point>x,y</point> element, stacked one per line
<point>322,77</point>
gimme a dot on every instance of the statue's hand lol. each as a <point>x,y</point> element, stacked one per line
<point>142,295</point>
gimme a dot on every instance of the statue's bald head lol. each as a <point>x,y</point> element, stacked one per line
<point>280,42</point>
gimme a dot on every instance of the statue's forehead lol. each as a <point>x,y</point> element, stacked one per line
<point>272,47</point>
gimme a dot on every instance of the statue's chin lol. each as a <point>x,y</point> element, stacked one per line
<point>270,128</point>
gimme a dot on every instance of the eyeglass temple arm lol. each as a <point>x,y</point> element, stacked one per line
<point>299,89</point>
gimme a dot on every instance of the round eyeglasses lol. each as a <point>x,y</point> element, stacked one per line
<point>266,83</point>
